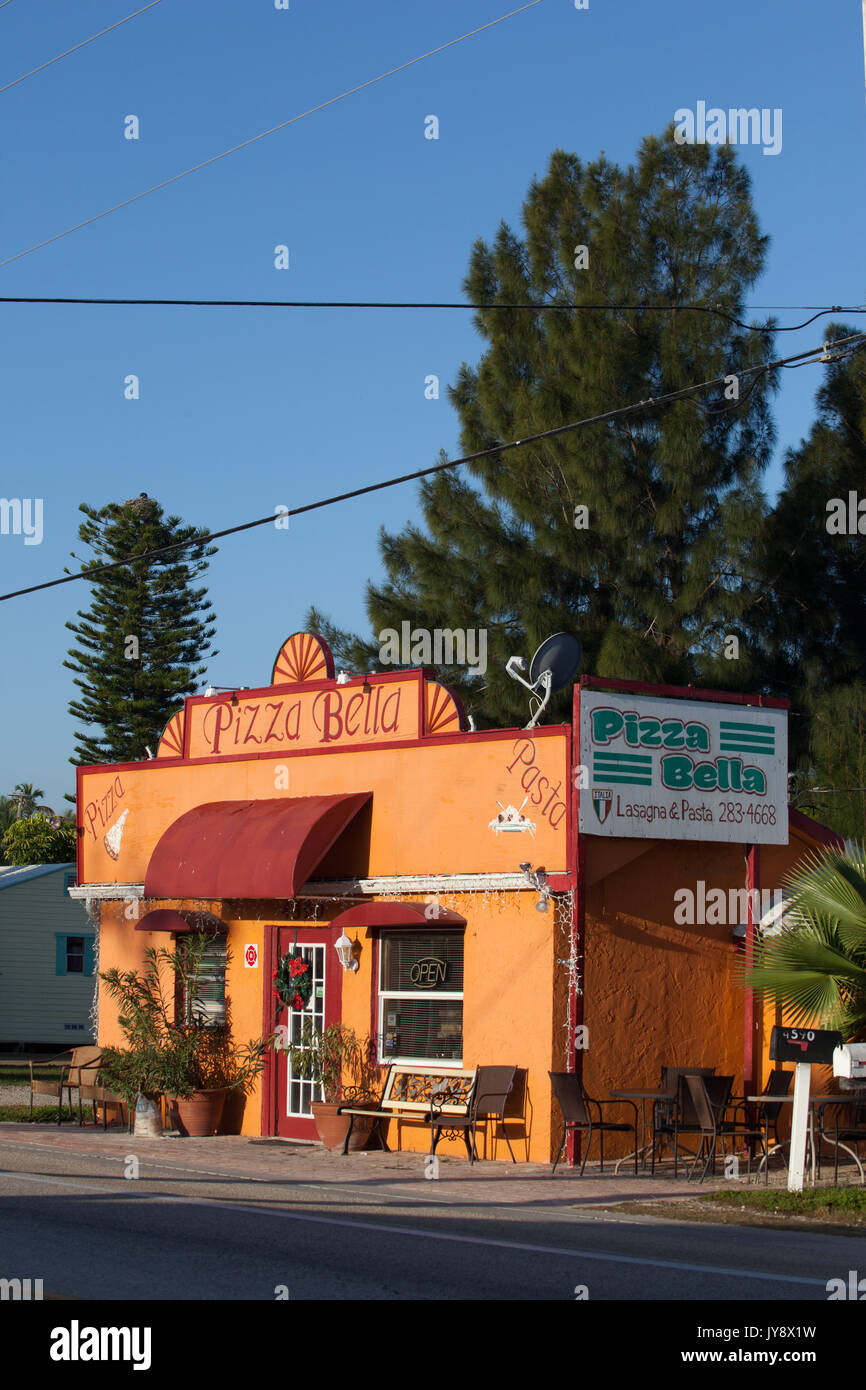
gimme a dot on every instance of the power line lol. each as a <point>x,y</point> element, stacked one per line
<point>822,310</point>
<point>204,539</point>
<point>75,48</point>
<point>352,91</point>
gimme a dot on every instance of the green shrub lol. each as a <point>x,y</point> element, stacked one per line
<point>33,840</point>
<point>42,1114</point>
<point>849,1201</point>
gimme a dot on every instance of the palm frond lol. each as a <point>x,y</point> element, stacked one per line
<point>833,885</point>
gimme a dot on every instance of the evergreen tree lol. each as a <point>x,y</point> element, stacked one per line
<point>831,782</point>
<point>143,639</point>
<point>811,606</point>
<point>658,569</point>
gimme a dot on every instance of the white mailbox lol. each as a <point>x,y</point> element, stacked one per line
<point>850,1061</point>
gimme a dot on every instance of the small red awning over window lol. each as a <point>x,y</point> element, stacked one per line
<point>248,849</point>
<point>392,914</point>
<point>165,919</point>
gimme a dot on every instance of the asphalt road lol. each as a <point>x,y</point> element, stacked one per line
<point>173,1233</point>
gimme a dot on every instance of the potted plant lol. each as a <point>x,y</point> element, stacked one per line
<point>141,1074</point>
<point>215,1065</point>
<point>193,1064</point>
<point>328,1057</point>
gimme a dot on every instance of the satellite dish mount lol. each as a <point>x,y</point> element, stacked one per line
<point>554,665</point>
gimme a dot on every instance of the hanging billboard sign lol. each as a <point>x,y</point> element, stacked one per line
<point>682,769</point>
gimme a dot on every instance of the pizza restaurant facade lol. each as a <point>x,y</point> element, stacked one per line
<point>510,896</point>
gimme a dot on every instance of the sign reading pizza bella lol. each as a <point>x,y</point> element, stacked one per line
<point>271,723</point>
<point>682,769</point>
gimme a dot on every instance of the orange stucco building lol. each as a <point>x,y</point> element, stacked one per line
<point>314,808</point>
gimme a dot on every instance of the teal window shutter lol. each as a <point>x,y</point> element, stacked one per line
<point>88,955</point>
<point>60,961</point>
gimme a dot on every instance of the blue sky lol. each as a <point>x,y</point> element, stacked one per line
<point>244,410</point>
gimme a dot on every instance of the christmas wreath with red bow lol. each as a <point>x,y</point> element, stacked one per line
<point>293,980</point>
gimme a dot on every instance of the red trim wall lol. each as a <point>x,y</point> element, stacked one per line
<point>753,882</point>
<point>269,1078</point>
<point>682,692</point>
<point>814,829</point>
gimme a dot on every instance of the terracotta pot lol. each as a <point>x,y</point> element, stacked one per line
<point>199,1115</point>
<point>332,1127</point>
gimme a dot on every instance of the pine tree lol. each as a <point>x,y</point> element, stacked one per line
<point>812,605</point>
<point>143,639</point>
<point>810,609</point>
<point>831,781</point>
<point>638,534</point>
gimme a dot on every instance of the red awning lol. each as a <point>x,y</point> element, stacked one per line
<point>164,919</point>
<point>248,849</point>
<point>392,914</point>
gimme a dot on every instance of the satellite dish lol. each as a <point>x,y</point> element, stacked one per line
<point>561,655</point>
<point>556,662</point>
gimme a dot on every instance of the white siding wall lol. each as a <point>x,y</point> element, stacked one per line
<point>36,1003</point>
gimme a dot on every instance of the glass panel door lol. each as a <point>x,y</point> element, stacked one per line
<point>289,1098</point>
<point>300,1091</point>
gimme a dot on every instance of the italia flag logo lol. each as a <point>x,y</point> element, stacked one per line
<point>602,800</point>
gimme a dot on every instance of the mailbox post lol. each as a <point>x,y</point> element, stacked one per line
<point>804,1047</point>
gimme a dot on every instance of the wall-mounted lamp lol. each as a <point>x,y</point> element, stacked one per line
<point>345,950</point>
<point>537,878</point>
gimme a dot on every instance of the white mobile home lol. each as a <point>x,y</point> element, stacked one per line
<point>47,945</point>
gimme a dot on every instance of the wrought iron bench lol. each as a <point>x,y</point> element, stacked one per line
<point>419,1094</point>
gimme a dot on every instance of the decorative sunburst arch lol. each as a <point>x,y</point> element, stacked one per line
<point>443,711</point>
<point>305,656</point>
<point>171,742</point>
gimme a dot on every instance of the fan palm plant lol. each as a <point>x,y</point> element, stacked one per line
<point>815,969</point>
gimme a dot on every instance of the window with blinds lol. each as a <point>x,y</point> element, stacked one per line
<point>421,997</point>
<point>210,997</point>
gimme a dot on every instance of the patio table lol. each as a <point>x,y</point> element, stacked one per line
<point>815,1102</point>
<point>643,1097</point>
<point>849,1098</point>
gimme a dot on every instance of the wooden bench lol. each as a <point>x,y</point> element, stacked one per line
<point>413,1093</point>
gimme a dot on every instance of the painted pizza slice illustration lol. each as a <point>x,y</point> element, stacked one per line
<point>114,834</point>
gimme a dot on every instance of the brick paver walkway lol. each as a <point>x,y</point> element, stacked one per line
<point>266,1160</point>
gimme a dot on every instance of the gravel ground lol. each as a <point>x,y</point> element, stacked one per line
<point>20,1095</point>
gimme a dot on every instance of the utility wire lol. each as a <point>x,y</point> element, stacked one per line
<point>352,91</point>
<point>204,539</point>
<point>75,48</point>
<point>822,310</point>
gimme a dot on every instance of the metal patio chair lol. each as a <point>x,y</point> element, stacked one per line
<point>576,1107</point>
<point>83,1068</point>
<point>768,1111</point>
<point>45,1086</point>
<point>671,1118</point>
<point>710,1097</point>
<point>97,1093</point>
<point>850,1130</point>
<point>493,1086</point>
